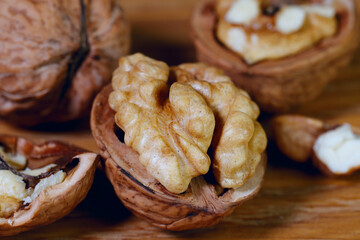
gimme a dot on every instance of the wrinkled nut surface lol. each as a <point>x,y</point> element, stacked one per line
<point>239,140</point>
<point>334,149</point>
<point>277,85</point>
<point>56,56</point>
<point>172,140</point>
<point>172,136</point>
<point>54,180</point>
<point>171,108</point>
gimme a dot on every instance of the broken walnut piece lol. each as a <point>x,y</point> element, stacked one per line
<point>334,149</point>
<point>70,183</point>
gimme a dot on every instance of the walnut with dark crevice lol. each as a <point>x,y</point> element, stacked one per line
<point>181,145</point>
<point>54,180</point>
<point>56,56</point>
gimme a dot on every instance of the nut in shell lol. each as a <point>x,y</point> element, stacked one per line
<point>293,75</point>
<point>180,113</point>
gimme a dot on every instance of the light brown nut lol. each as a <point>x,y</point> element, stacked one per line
<point>49,196</point>
<point>204,202</point>
<point>172,137</point>
<point>56,56</point>
<point>334,149</point>
<point>239,139</point>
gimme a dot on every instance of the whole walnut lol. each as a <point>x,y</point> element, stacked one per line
<point>56,55</point>
<point>181,145</point>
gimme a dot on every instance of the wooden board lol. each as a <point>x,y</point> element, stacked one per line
<point>296,201</point>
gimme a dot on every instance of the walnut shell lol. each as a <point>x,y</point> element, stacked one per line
<point>58,200</point>
<point>279,85</point>
<point>202,205</point>
<point>296,136</point>
<point>56,56</point>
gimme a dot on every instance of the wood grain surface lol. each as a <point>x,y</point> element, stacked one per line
<point>296,201</point>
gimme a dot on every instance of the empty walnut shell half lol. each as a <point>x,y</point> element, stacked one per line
<point>52,200</point>
<point>280,84</point>
<point>203,204</point>
<point>333,148</point>
<point>56,56</point>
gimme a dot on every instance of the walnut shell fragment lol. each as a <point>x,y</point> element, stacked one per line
<point>280,84</point>
<point>334,149</point>
<point>203,202</point>
<point>56,56</point>
<point>54,201</point>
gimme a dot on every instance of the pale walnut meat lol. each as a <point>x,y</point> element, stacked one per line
<point>333,148</point>
<point>278,84</point>
<point>56,56</point>
<point>54,180</point>
<point>159,107</point>
<point>171,136</point>
<point>265,45</point>
<point>260,30</point>
<point>239,140</point>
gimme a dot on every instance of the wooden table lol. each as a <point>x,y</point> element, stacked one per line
<point>296,201</point>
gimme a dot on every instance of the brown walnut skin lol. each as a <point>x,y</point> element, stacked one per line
<point>296,135</point>
<point>56,201</point>
<point>279,85</point>
<point>200,206</point>
<point>56,56</point>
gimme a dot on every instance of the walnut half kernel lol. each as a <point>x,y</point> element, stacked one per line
<point>181,145</point>
<point>173,136</point>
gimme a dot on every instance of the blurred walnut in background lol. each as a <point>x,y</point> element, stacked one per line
<point>56,55</point>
